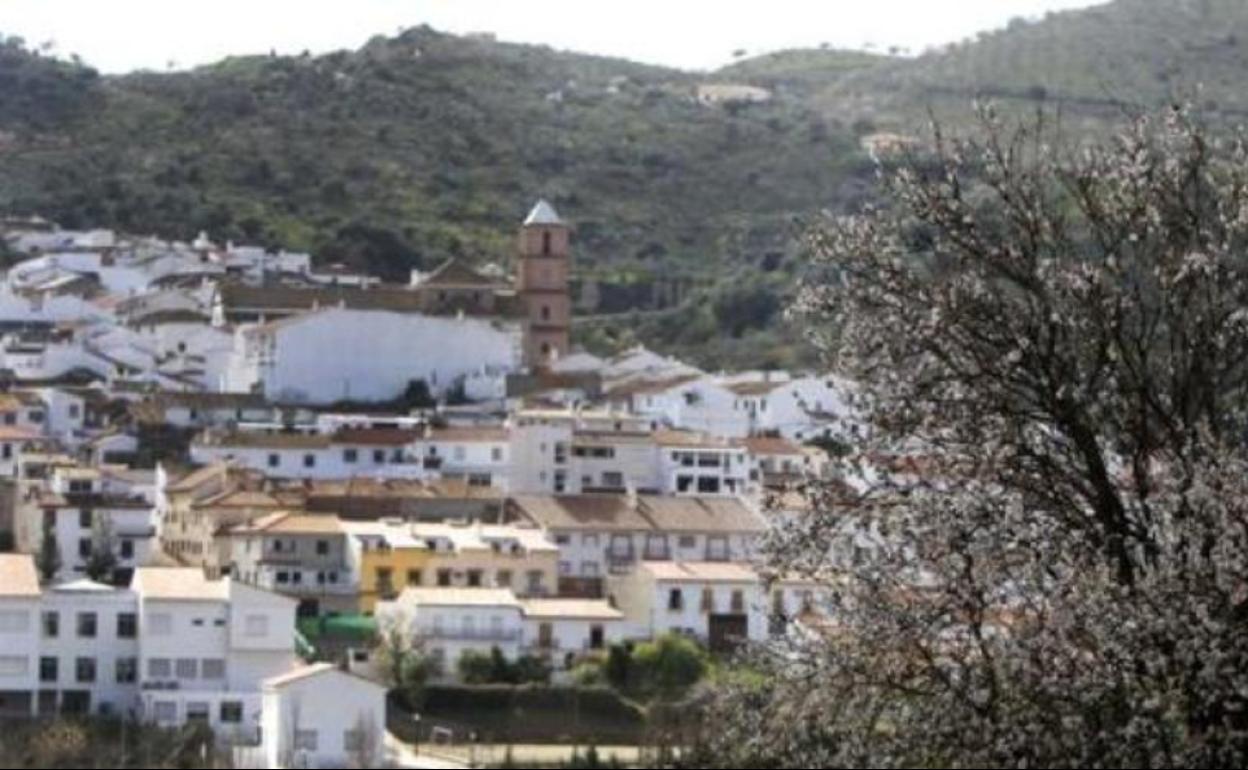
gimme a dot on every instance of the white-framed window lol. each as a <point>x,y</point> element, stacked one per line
<point>159,668</point>
<point>212,669</point>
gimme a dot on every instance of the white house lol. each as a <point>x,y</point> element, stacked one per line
<point>599,535</point>
<point>173,647</point>
<point>206,647</point>
<point>375,354</point>
<point>19,635</point>
<point>319,716</point>
<point>720,604</point>
<point>451,621</point>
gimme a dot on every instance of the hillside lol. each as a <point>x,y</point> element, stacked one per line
<point>426,145</point>
<point>1091,61</point>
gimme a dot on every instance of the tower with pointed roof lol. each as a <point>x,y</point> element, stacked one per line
<point>543,272</point>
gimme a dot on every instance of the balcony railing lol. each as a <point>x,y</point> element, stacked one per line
<point>469,635</point>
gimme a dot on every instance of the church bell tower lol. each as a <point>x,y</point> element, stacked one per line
<point>543,273</point>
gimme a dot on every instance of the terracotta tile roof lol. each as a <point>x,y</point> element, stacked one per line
<point>470,434</point>
<point>755,388</point>
<point>304,673</point>
<point>701,571</point>
<point>18,577</point>
<point>377,436</point>
<point>578,609</point>
<point>644,386</point>
<point>291,523</point>
<point>187,584</point>
<point>266,440</point>
<point>771,445</point>
<point>292,299</point>
<point>455,273</point>
<point>459,597</point>
<point>686,438</point>
<point>650,513</point>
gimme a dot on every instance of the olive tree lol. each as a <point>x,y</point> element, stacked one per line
<point>1050,345</point>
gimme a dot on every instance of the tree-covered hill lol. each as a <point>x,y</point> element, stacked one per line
<point>426,145</point>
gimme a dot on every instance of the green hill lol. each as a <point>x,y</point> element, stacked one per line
<point>426,145</point>
<point>1092,61</point>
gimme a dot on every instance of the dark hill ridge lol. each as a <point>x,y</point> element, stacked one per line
<point>424,146</point>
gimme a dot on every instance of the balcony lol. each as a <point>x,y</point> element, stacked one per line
<point>469,635</point>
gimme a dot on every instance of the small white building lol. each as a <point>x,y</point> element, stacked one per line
<point>319,716</point>
<point>448,622</point>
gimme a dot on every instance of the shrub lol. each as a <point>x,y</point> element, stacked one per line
<point>669,665</point>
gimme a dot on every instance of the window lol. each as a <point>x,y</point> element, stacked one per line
<point>322,547</point>
<point>565,568</point>
<point>165,711</point>
<point>275,460</point>
<point>444,577</point>
<point>84,670</point>
<point>496,454</point>
<point>385,580</point>
<point>414,577</point>
<point>688,541</point>
<point>160,624</point>
<point>503,579</point>
<point>474,578</point>
<point>738,601</point>
<point>675,600</point>
<point>49,669</point>
<point>127,549</point>
<point>535,581</point>
<point>187,668</point>
<point>589,569</point>
<point>563,539</point>
<point>84,518</point>
<point>353,741</point>
<point>256,626</point>
<point>84,548</point>
<point>212,669</point>
<point>197,711</point>
<point>379,456</point>
<point>127,671</point>
<point>708,600</point>
<point>127,625</point>
<point>159,668</point>
<point>349,456</point>
<point>717,548</point>
<point>231,712</point>
<point>305,740</point>
<point>309,461</point>
<point>87,625</point>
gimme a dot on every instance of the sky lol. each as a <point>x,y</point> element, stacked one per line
<point>123,35</point>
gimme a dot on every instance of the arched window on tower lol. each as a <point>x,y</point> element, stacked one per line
<point>545,312</point>
<point>546,243</point>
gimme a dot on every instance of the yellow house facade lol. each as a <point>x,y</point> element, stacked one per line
<point>390,557</point>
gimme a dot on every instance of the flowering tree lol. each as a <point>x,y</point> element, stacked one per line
<point>1052,346</point>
